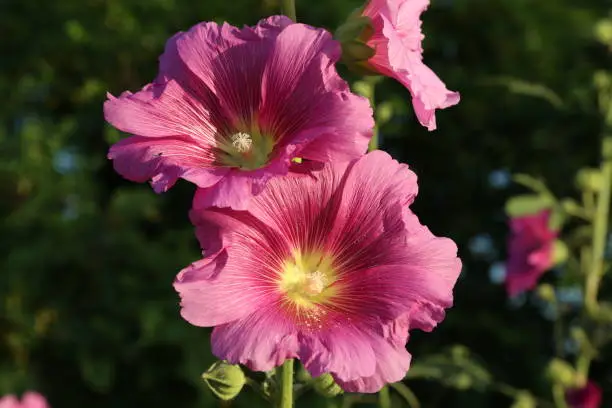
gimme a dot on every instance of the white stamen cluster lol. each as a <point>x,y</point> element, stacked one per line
<point>242,142</point>
<point>315,283</point>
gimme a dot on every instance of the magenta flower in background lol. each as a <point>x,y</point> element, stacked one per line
<point>588,396</point>
<point>232,107</point>
<point>332,269</point>
<point>530,251</point>
<point>396,40</point>
<point>29,400</point>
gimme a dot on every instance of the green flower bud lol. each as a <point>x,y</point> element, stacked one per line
<point>353,35</point>
<point>560,252</point>
<point>326,386</point>
<point>561,372</point>
<point>589,180</point>
<point>224,380</point>
<point>524,400</point>
<point>547,292</point>
<point>603,31</point>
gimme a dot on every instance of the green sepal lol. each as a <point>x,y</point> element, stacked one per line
<point>224,380</point>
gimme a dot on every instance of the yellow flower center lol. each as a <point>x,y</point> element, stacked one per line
<point>246,150</point>
<point>307,280</point>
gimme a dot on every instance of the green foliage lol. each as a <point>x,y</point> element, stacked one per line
<point>455,368</point>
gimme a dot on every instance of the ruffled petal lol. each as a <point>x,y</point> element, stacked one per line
<point>261,341</point>
<point>392,363</point>
<point>210,298</point>
<point>9,401</point>
<point>305,98</point>
<point>397,40</point>
<point>342,350</point>
<point>530,251</point>
<point>161,110</point>
<point>163,160</point>
<point>33,400</point>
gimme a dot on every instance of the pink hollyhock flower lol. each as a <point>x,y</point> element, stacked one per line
<point>231,108</point>
<point>331,269</point>
<point>588,396</point>
<point>530,251</point>
<point>29,400</point>
<point>396,40</point>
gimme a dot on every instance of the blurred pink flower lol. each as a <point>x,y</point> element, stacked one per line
<point>332,269</point>
<point>396,40</point>
<point>530,251</point>
<point>588,396</point>
<point>232,107</point>
<point>29,400</point>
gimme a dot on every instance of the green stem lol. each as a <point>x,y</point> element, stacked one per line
<point>583,364</point>
<point>600,229</point>
<point>288,8</point>
<point>407,394</point>
<point>286,385</point>
<point>559,396</point>
<point>373,145</point>
<point>384,398</point>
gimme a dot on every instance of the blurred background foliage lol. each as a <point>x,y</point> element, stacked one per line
<point>88,315</point>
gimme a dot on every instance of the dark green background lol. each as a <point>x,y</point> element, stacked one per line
<point>88,315</point>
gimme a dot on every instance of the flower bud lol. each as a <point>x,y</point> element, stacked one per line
<point>562,373</point>
<point>224,380</point>
<point>524,400</point>
<point>326,386</point>
<point>603,31</point>
<point>353,35</point>
<point>547,292</point>
<point>560,252</point>
<point>589,180</point>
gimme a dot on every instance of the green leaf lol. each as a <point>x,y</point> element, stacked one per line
<point>530,182</point>
<point>454,368</point>
<point>522,87</point>
<point>527,204</point>
<point>98,371</point>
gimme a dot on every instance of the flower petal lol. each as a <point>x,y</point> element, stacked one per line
<point>163,160</point>
<point>392,363</point>
<point>32,400</point>
<point>342,350</point>
<point>9,401</point>
<point>261,341</point>
<point>161,110</point>
<point>209,297</point>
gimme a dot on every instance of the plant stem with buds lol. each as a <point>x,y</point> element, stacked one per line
<point>600,229</point>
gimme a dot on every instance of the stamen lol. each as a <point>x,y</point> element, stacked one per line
<point>315,283</point>
<point>242,142</point>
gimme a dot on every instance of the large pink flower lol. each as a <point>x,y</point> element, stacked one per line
<point>396,40</point>
<point>231,108</point>
<point>588,396</point>
<point>530,251</point>
<point>331,269</point>
<point>29,400</point>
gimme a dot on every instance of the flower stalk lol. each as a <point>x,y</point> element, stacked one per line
<point>600,228</point>
<point>384,398</point>
<point>288,8</point>
<point>374,141</point>
<point>286,385</point>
